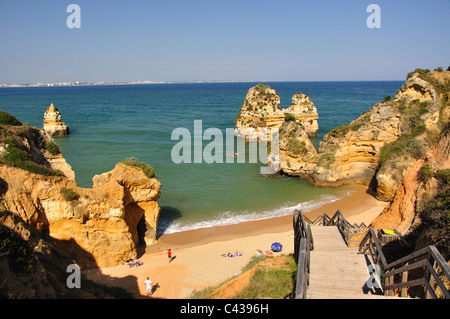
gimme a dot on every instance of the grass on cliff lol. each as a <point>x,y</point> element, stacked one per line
<point>69,194</point>
<point>19,140</point>
<point>145,168</point>
<point>434,212</point>
<point>8,119</point>
<point>53,148</point>
<point>20,254</point>
<point>274,278</point>
<point>16,157</point>
<point>339,131</point>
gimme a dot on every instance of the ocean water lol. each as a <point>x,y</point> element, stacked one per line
<point>111,123</point>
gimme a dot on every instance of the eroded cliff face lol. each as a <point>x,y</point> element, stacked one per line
<point>102,221</point>
<point>423,112</point>
<point>261,111</point>
<point>416,186</point>
<point>381,144</point>
<point>296,154</point>
<point>99,226</point>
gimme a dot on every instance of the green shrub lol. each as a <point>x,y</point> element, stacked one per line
<point>421,72</point>
<point>404,145</point>
<point>289,117</point>
<point>261,88</point>
<point>146,169</point>
<point>19,255</point>
<point>356,127</point>
<point>297,147</point>
<point>19,158</point>
<point>8,119</point>
<point>14,156</point>
<point>415,149</point>
<point>387,98</point>
<point>435,216</point>
<point>326,160</point>
<point>53,148</point>
<point>443,175</point>
<point>339,131</point>
<point>423,110</point>
<point>69,194</point>
<point>10,140</point>
<point>425,172</point>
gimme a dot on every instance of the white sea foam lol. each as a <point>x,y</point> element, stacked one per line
<point>231,218</point>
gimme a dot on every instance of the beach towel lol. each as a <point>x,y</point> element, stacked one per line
<point>388,232</point>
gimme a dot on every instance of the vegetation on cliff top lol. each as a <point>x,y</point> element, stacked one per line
<point>435,214</point>
<point>8,119</point>
<point>18,139</point>
<point>416,139</point>
<point>270,277</point>
<point>69,194</point>
<point>145,168</point>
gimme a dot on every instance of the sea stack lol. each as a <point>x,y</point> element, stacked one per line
<point>53,124</point>
<point>261,111</point>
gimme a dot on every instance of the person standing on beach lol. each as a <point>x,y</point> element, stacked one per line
<point>148,284</point>
<point>169,254</point>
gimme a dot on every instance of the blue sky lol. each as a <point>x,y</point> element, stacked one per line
<point>187,40</point>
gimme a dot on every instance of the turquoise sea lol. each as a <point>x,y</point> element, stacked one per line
<point>111,123</point>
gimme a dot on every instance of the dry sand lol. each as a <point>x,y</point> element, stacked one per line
<point>197,262</point>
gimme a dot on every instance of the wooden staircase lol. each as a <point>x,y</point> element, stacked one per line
<point>336,270</point>
<point>328,266</point>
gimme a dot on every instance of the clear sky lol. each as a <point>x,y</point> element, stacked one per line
<point>187,40</point>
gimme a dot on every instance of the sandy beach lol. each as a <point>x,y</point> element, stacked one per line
<point>197,260</point>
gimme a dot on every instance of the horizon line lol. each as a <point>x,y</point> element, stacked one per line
<point>147,82</point>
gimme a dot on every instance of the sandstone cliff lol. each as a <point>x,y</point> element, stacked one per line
<point>382,143</point>
<point>421,182</point>
<point>53,124</point>
<point>32,268</point>
<point>261,110</point>
<point>296,155</point>
<point>100,226</point>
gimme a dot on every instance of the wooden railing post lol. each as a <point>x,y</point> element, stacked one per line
<point>404,280</point>
<point>300,292</point>
<point>429,278</point>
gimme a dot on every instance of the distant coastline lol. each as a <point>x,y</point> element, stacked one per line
<point>77,83</point>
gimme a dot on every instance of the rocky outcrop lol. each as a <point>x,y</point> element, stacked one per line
<point>261,112</point>
<point>296,155</point>
<point>422,116</point>
<point>415,187</point>
<point>106,221</point>
<point>99,226</point>
<point>53,124</point>
<point>32,268</point>
<point>382,143</point>
<point>305,113</point>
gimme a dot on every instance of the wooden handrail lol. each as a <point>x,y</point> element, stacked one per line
<point>303,244</point>
<point>429,259</point>
<point>303,270</point>
<point>372,244</point>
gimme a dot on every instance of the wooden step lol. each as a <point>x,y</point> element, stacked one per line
<point>336,271</point>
